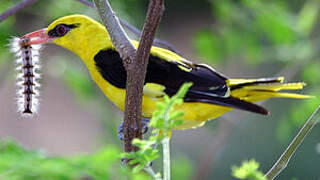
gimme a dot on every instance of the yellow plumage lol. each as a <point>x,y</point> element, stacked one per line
<point>90,37</point>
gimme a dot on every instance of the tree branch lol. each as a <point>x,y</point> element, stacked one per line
<point>136,74</point>
<point>16,8</point>
<point>283,161</point>
<point>134,62</point>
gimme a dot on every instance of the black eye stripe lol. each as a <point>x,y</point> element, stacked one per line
<point>58,30</point>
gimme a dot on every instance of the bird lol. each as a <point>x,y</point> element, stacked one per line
<point>211,95</point>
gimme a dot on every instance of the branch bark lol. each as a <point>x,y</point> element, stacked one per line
<point>135,62</point>
<point>16,8</point>
<point>136,73</point>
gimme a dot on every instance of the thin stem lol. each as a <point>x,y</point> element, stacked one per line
<point>16,8</point>
<point>166,158</point>
<point>283,161</point>
<point>149,170</point>
<point>166,146</point>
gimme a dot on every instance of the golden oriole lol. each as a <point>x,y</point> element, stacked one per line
<point>211,95</point>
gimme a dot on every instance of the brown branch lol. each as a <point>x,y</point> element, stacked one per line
<point>134,62</point>
<point>128,52</point>
<point>137,32</point>
<point>16,8</point>
<point>136,73</point>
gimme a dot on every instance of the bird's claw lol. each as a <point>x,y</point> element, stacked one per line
<point>145,122</point>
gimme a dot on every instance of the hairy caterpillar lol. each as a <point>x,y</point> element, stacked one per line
<point>27,59</point>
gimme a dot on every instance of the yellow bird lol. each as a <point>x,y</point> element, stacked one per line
<point>211,95</point>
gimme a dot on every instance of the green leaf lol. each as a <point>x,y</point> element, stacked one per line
<point>17,163</point>
<point>164,119</point>
<point>248,170</point>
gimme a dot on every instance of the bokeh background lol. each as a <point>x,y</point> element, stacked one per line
<point>241,38</point>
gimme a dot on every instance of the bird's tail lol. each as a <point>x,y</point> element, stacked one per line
<point>253,90</point>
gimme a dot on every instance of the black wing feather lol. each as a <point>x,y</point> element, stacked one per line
<point>208,85</point>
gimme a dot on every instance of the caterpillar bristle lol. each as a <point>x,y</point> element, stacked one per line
<point>27,59</point>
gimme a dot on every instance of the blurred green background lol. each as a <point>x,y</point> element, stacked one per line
<point>241,38</point>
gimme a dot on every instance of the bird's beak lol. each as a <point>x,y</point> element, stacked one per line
<point>38,37</point>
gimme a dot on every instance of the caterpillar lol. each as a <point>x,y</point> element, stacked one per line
<point>27,60</point>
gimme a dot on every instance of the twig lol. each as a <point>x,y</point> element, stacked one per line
<point>16,8</point>
<point>283,161</point>
<point>137,32</point>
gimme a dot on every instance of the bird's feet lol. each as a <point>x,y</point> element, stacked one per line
<point>145,122</point>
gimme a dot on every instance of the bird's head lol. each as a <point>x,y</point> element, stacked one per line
<point>75,32</point>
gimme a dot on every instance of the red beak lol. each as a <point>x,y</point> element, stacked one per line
<point>38,37</point>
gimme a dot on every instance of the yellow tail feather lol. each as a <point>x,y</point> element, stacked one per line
<point>275,87</point>
<point>253,90</point>
<point>235,82</point>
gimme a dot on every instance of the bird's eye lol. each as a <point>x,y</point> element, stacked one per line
<point>61,30</point>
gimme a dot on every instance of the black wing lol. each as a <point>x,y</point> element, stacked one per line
<point>208,85</point>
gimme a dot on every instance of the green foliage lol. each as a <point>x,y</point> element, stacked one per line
<point>145,155</point>
<point>257,31</point>
<point>17,163</point>
<point>207,45</point>
<point>164,119</point>
<point>248,170</point>
<point>311,74</point>
<point>5,32</point>
<point>307,17</point>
